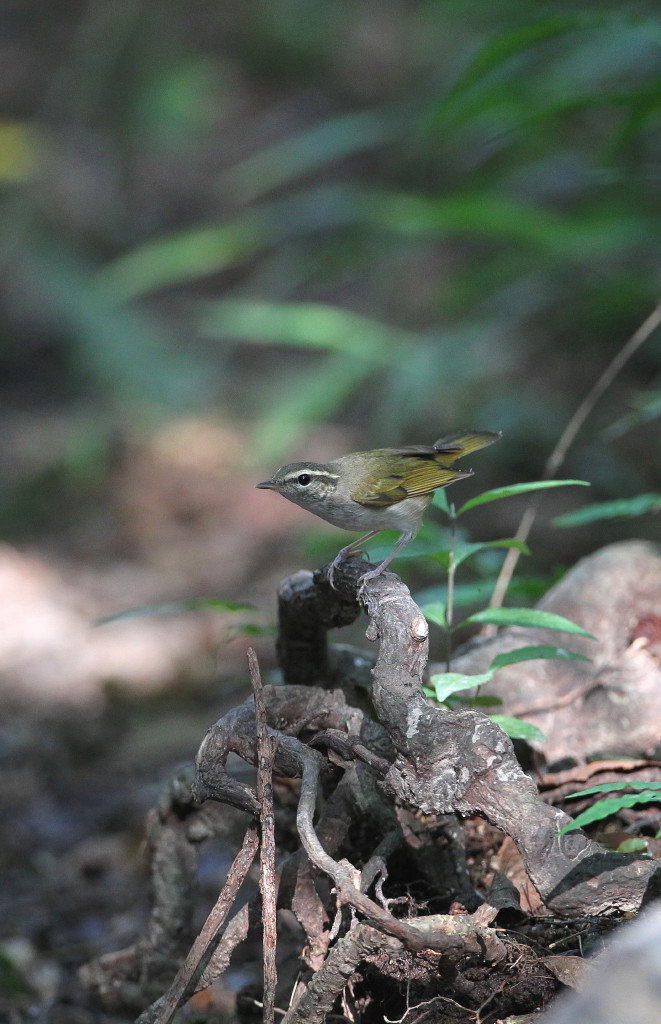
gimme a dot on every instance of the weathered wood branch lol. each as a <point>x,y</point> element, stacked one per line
<point>460,760</point>
<point>376,771</point>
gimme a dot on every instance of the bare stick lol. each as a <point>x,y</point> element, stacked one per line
<point>347,878</point>
<point>376,865</point>
<point>557,456</point>
<point>326,985</point>
<point>184,979</point>
<point>266,748</point>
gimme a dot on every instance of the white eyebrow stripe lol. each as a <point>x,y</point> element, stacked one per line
<point>316,474</point>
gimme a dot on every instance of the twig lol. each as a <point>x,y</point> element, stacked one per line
<point>327,984</point>
<point>350,748</point>
<point>565,441</point>
<point>234,934</point>
<point>376,865</point>
<point>345,876</point>
<point>266,748</point>
<point>184,981</point>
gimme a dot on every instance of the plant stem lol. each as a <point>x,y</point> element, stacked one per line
<point>565,441</point>
<point>449,608</point>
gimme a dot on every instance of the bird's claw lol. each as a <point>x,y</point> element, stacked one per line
<point>336,561</point>
<point>331,571</point>
<point>365,579</point>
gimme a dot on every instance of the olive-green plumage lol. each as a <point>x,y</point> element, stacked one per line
<point>387,488</point>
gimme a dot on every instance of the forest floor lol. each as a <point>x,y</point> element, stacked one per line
<point>98,719</point>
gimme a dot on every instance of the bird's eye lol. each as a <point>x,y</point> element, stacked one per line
<point>304,479</point>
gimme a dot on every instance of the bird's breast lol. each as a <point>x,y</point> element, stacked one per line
<point>404,515</point>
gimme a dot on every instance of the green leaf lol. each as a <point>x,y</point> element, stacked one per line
<point>647,406</point>
<point>183,256</point>
<point>529,617</point>
<point>477,702</point>
<point>440,500</point>
<point>517,729</point>
<point>306,325</point>
<point>609,787</point>
<point>177,608</point>
<point>334,138</point>
<point>431,539</point>
<point>604,808</point>
<point>507,492</point>
<point>485,213</point>
<point>620,508</point>
<point>447,683</point>
<point>499,49</point>
<point>463,550</point>
<point>190,254</point>
<point>305,399</point>
<point>478,592</point>
<point>126,350</point>
<point>252,629</point>
<point>534,652</point>
<point>633,845</point>
<point>435,612</point>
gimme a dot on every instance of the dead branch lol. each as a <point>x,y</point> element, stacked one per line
<point>266,747</point>
<point>461,761</point>
<point>295,758</point>
<point>346,877</point>
<point>295,881</point>
<point>329,981</point>
<point>302,646</point>
<point>376,777</point>
<point>165,1008</point>
<point>363,941</point>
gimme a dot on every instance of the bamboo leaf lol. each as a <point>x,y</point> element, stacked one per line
<point>446,683</point>
<point>507,492</point>
<point>529,617</point>
<point>609,787</point>
<point>545,651</point>
<point>517,729</point>
<point>604,808</point>
<point>464,550</point>
<point>306,325</point>
<point>195,604</point>
<point>435,612</point>
<point>618,509</point>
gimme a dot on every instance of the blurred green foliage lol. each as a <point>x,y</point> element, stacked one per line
<point>405,217</point>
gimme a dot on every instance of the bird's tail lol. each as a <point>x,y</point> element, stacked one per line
<point>457,445</point>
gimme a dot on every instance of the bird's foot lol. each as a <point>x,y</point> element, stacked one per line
<point>365,578</point>
<point>340,557</point>
<point>331,570</point>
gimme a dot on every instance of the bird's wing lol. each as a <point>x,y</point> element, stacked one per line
<point>420,478</point>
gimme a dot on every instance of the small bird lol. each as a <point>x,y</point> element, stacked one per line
<point>383,489</point>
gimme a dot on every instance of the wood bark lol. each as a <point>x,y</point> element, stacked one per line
<point>459,761</point>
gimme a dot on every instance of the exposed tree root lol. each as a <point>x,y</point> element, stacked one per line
<point>369,779</point>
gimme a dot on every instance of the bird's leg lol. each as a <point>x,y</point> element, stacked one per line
<point>404,539</point>
<point>348,550</point>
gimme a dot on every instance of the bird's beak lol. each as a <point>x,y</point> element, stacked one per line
<point>266,485</point>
